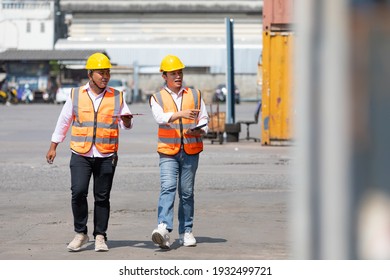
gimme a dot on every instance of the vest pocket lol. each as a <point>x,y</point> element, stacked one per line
<point>80,131</point>
<point>110,133</point>
<point>81,143</point>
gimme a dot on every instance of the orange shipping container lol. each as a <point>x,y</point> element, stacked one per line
<point>277,88</point>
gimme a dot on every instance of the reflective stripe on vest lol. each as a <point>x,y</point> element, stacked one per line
<point>171,136</point>
<point>90,127</point>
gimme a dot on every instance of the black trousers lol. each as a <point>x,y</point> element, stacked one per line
<point>81,169</point>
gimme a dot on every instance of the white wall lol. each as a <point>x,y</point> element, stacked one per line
<point>26,25</point>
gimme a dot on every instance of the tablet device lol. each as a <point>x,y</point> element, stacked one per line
<point>198,127</point>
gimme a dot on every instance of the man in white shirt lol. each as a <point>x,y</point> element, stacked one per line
<point>94,112</point>
<point>182,118</point>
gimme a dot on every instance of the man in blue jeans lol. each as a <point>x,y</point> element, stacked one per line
<point>182,118</point>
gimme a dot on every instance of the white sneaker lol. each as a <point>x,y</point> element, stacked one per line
<point>79,241</point>
<point>100,243</point>
<point>187,239</point>
<point>160,236</point>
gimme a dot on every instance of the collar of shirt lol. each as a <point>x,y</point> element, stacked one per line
<point>177,97</point>
<point>95,98</point>
<point>178,94</point>
<point>90,92</point>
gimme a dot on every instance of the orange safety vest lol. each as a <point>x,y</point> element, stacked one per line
<point>90,127</point>
<point>171,137</point>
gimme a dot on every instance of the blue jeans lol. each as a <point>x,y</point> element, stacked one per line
<point>177,172</point>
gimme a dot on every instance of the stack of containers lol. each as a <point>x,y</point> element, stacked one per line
<point>277,112</point>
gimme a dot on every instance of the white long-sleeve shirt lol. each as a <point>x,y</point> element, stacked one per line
<point>163,118</point>
<point>66,117</point>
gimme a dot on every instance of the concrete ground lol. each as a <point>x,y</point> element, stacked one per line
<point>241,196</point>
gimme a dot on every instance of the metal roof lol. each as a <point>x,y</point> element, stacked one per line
<point>82,54</point>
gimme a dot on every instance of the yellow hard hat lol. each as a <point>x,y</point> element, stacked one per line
<point>98,61</point>
<point>171,63</point>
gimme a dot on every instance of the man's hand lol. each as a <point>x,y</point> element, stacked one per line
<point>191,114</point>
<point>126,120</point>
<point>51,154</point>
<point>195,132</point>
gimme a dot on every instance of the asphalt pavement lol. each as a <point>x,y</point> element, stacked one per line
<point>241,194</point>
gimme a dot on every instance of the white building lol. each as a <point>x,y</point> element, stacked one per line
<point>145,31</point>
<point>135,32</point>
<point>139,33</point>
<point>26,25</point>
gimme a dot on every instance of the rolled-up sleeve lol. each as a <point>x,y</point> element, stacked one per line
<point>63,123</point>
<point>203,117</point>
<point>158,113</point>
<point>124,111</point>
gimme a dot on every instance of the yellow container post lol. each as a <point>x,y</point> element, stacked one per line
<point>277,88</point>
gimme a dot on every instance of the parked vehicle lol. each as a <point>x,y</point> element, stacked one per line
<point>221,93</point>
<point>3,97</point>
<point>12,95</point>
<point>9,96</point>
<point>35,76</point>
<point>121,86</point>
<point>64,91</point>
<point>27,95</point>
